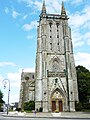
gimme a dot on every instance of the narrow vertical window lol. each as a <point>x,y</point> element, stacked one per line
<point>57,25</point>
<point>50,46</point>
<point>58,46</point>
<point>56,81</point>
<point>57,36</point>
<point>50,25</point>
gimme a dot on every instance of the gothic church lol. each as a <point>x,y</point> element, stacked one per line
<point>55,79</point>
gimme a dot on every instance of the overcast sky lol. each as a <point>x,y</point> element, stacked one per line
<point>18,36</point>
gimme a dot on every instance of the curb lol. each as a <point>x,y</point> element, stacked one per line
<point>62,117</point>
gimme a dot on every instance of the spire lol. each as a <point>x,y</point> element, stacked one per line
<point>63,11</point>
<point>43,7</point>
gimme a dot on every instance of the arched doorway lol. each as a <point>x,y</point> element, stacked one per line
<point>57,102</point>
<point>57,105</point>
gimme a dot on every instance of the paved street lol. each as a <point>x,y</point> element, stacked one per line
<point>11,118</point>
<point>23,118</point>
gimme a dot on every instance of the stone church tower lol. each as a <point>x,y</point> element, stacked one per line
<point>56,81</point>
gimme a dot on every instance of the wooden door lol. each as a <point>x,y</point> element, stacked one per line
<point>53,106</point>
<point>60,106</point>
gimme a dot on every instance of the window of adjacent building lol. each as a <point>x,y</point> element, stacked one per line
<point>26,78</point>
<point>33,76</point>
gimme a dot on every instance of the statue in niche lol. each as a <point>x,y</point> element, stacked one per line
<point>55,66</point>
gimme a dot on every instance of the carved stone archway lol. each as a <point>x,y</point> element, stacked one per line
<point>57,101</point>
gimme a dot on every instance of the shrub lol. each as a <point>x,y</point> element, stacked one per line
<point>18,109</point>
<point>29,105</point>
<point>40,109</point>
<point>86,106</point>
<point>78,106</point>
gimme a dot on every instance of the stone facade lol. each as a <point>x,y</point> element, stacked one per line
<point>56,81</point>
<point>27,89</point>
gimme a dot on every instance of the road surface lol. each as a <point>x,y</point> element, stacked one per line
<point>21,118</point>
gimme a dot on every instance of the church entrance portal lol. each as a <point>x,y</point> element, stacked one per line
<point>57,105</point>
<point>57,101</point>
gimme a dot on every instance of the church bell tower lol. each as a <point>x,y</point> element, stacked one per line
<point>55,75</point>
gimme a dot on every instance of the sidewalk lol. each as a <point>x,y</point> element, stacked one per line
<point>49,115</point>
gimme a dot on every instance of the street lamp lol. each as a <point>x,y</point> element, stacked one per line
<point>4,83</point>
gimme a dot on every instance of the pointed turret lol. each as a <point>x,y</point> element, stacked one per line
<point>44,8</point>
<point>63,11</point>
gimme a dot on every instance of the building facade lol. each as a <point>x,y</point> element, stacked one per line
<point>56,81</point>
<point>27,88</point>
<point>54,87</point>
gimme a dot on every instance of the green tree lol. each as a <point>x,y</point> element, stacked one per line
<point>83,78</point>
<point>29,106</point>
<point>1,99</point>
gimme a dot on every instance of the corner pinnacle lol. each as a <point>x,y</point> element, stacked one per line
<point>43,7</point>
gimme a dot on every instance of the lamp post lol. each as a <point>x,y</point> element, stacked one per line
<point>4,83</point>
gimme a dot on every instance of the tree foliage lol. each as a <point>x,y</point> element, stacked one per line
<point>1,99</point>
<point>83,78</point>
<point>29,105</point>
